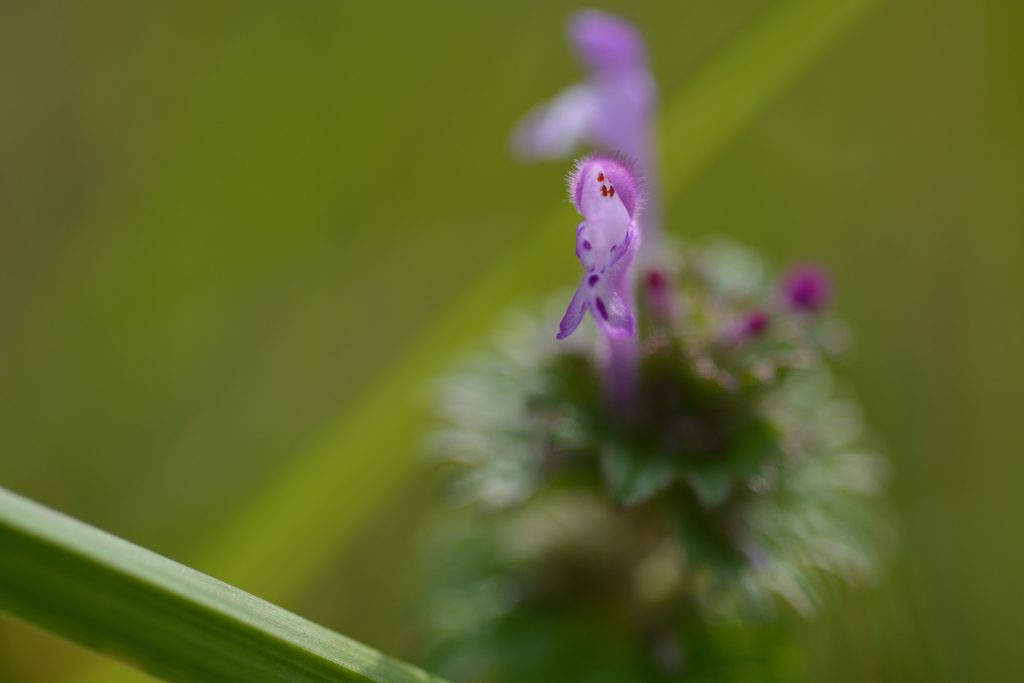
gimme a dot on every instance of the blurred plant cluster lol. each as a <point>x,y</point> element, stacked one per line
<point>582,542</point>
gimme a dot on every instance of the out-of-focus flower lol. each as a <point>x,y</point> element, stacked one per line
<point>750,325</point>
<point>807,287</point>
<point>607,192</point>
<point>612,109</point>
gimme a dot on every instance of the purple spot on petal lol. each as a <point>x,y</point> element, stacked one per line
<point>600,307</point>
<point>586,245</point>
<point>593,279</point>
<point>613,247</point>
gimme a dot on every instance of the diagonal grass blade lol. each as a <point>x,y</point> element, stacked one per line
<point>734,88</point>
<point>171,621</point>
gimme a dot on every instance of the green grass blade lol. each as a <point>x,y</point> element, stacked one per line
<point>735,86</point>
<point>175,623</point>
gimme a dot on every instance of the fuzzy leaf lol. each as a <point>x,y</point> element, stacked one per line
<point>632,478</point>
<point>712,486</point>
<point>756,443</point>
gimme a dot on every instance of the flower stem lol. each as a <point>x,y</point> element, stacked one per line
<point>623,361</point>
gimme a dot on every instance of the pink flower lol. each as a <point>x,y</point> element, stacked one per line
<point>807,287</point>
<point>608,193</point>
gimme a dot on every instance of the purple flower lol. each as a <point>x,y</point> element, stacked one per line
<point>807,287</point>
<point>745,327</point>
<point>607,192</point>
<point>749,326</point>
<point>612,109</point>
<point>754,323</point>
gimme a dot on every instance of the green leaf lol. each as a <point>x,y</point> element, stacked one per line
<point>171,621</point>
<point>712,486</point>
<point>633,478</point>
<point>757,444</point>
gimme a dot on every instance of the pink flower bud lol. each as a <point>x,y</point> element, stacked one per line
<point>807,287</point>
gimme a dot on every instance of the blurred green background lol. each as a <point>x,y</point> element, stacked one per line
<point>222,224</point>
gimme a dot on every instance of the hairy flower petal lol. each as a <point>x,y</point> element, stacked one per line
<point>603,180</point>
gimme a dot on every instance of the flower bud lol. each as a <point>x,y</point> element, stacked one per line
<point>807,287</point>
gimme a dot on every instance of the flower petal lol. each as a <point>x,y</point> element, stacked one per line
<point>611,312</point>
<point>605,42</point>
<point>622,254</point>
<point>574,314</point>
<point>625,103</point>
<point>589,242</point>
<point>602,181</point>
<point>553,129</point>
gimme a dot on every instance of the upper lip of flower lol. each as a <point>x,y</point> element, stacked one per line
<point>623,174</point>
<point>604,42</point>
